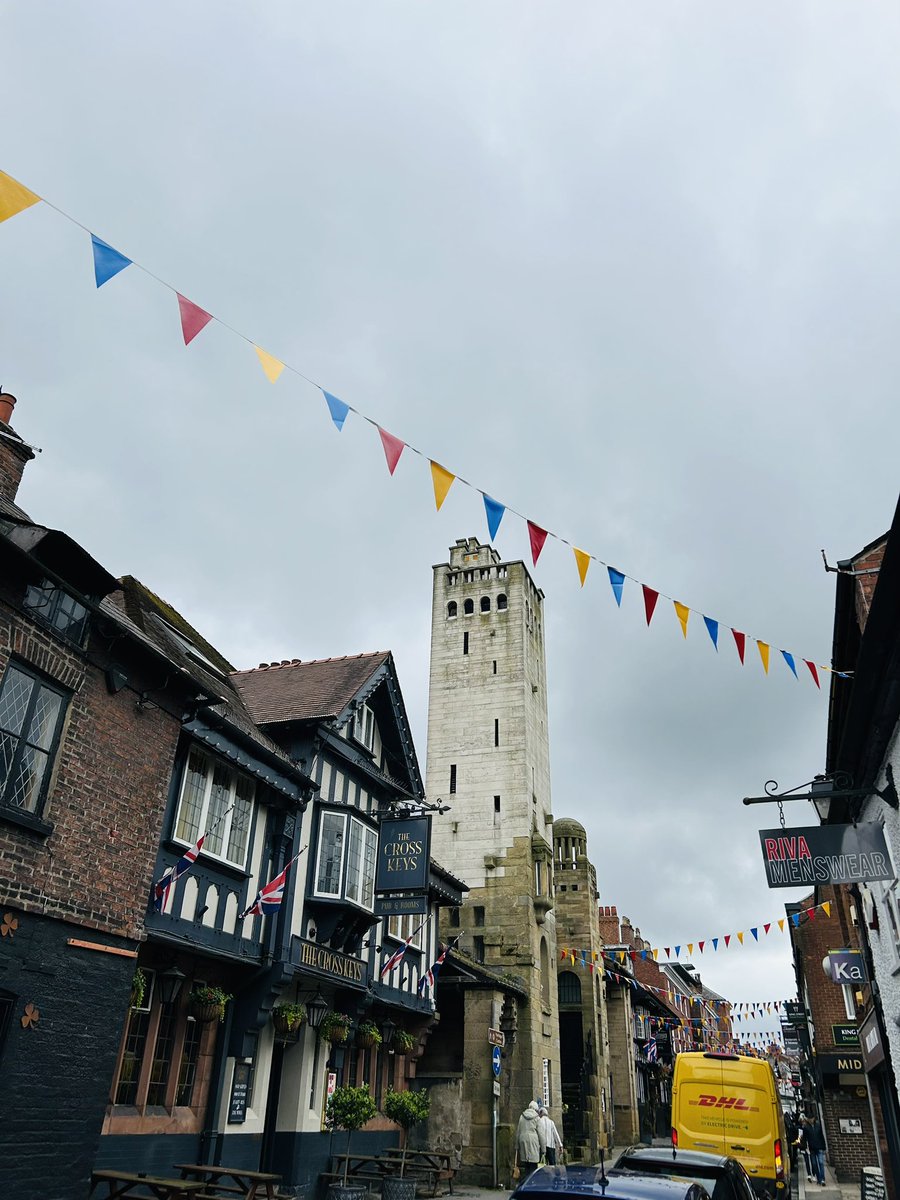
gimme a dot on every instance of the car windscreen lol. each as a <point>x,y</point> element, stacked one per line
<point>696,1172</point>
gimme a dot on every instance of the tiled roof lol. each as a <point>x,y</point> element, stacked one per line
<point>294,690</point>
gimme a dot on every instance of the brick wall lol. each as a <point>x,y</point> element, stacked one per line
<point>107,796</point>
<point>13,459</point>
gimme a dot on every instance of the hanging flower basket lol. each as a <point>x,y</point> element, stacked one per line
<point>403,1042</point>
<point>367,1035</point>
<point>288,1018</point>
<point>334,1028</point>
<point>208,1003</point>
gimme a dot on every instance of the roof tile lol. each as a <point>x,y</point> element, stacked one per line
<point>294,690</point>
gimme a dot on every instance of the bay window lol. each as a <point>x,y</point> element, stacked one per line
<point>346,856</point>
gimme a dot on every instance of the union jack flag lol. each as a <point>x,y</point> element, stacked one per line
<point>174,873</point>
<point>650,1049</point>
<point>427,980</point>
<point>269,898</point>
<point>397,957</point>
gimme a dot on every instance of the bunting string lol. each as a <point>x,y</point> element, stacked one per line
<point>109,262</point>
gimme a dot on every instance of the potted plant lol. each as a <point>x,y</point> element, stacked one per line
<point>208,1002</point>
<point>138,988</point>
<point>349,1108</point>
<point>403,1041</point>
<point>368,1034</point>
<point>287,1018</point>
<point>405,1109</point>
<point>334,1028</point>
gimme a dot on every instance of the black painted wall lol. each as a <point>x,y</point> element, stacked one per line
<point>300,1157</point>
<point>55,1075</point>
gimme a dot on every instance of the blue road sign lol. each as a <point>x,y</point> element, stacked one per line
<point>495,1061</point>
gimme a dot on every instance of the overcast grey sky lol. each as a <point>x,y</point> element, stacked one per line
<point>629,268</point>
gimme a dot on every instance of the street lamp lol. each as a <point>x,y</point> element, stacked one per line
<point>388,1029</point>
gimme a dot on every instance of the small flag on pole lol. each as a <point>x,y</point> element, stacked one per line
<point>269,898</point>
<point>650,1049</point>
<point>174,873</point>
<point>427,980</point>
<point>397,957</point>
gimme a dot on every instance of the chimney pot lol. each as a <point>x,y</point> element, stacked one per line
<point>7,404</point>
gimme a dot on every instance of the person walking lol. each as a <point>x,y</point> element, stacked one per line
<point>550,1136</point>
<point>812,1139</point>
<point>528,1140</point>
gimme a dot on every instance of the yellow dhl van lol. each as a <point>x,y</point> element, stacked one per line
<point>729,1104</point>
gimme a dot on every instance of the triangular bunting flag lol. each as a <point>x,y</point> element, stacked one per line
<point>650,599</point>
<point>795,917</point>
<point>700,946</point>
<point>767,926</point>
<point>536,537</point>
<point>826,905</point>
<point>813,672</point>
<point>14,197</point>
<point>740,640</point>
<point>677,951</point>
<point>617,582</point>
<point>584,561</point>
<point>763,648</point>
<point>393,448</point>
<point>690,949</point>
<point>667,950</point>
<point>682,612</point>
<point>712,628</point>
<point>715,943</point>
<point>811,913</point>
<point>755,932</point>
<point>107,262</point>
<point>494,511</point>
<point>270,364</point>
<point>655,957</point>
<point>781,924</point>
<point>338,410</point>
<point>741,937</point>
<point>727,940</point>
<point>789,659</point>
<point>442,480</point>
<point>193,318</point>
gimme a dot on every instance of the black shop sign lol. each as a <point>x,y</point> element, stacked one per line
<point>816,854</point>
<point>240,1093</point>
<point>404,850</point>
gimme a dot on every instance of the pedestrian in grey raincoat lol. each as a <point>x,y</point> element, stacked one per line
<point>529,1147</point>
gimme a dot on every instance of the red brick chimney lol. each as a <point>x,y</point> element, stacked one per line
<point>14,454</point>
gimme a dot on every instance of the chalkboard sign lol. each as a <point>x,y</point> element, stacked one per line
<point>240,1093</point>
<point>871,1184</point>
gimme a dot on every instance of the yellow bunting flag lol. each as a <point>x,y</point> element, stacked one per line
<point>781,924</point>
<point>655,954</point>
<point>690,947</point>
<point>442,480</point>
<point>584,561</point>
<point>271,365</point>
<point>826,905</point>
<point>741,937</point>
<point>14,196</point>
<point>682,612</point>
<point>764,655</point>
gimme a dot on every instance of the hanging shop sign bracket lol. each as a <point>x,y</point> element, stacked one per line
<point>828,787</point>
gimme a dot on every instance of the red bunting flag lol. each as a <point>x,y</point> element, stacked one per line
<point>393,448</point>
<point>811,913</point>
<point>701,945</point>
<point>193,318</point>
<point>813,672</point>
<point>666,948</point>
<point>740,640</point>
<point>767,926</point>
<point>537,537</point>
<point>727,938</point>
<point>650,599</point>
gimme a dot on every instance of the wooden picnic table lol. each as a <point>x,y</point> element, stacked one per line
<point>127,1185</point>
<point>231,1181</point>
<point>438,1162</point>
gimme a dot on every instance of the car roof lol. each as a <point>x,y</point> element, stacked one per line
<point>616,1185</point>
<point>663,1154</point>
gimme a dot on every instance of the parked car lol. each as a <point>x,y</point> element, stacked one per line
<point>549,1183</point>
<point>723,1177</point>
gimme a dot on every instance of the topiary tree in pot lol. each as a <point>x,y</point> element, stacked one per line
<point>350,1108</point>
<point>406,1109</point>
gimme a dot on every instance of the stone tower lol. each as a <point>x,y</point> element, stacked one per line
<point>489,759</point>
<point>583,1025</point>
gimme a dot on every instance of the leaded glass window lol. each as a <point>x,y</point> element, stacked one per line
<point>31,713</point>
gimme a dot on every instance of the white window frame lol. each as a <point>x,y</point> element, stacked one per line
<point>368,858</point>
<point>407,925</point>
<point>324,815</point>
<point>364,726</point>
<point>225,825</point>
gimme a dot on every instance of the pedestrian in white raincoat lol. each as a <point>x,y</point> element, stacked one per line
<point>529,1147</point>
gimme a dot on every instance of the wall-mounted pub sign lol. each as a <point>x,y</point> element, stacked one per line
<point>401,877</point>
<point>825,854</point>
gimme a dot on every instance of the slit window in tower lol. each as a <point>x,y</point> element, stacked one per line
<point>496,804</point>
<point>452,778</point>
<point>496,731</point>
<point>495,666</point>
<point>465,643</point>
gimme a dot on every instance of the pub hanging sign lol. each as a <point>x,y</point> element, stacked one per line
<point>404,851</point>
<point>825,854</point>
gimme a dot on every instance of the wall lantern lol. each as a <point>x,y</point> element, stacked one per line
<point>388,1029</point>
<point>169,984</point>
<point>316,1010</point>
